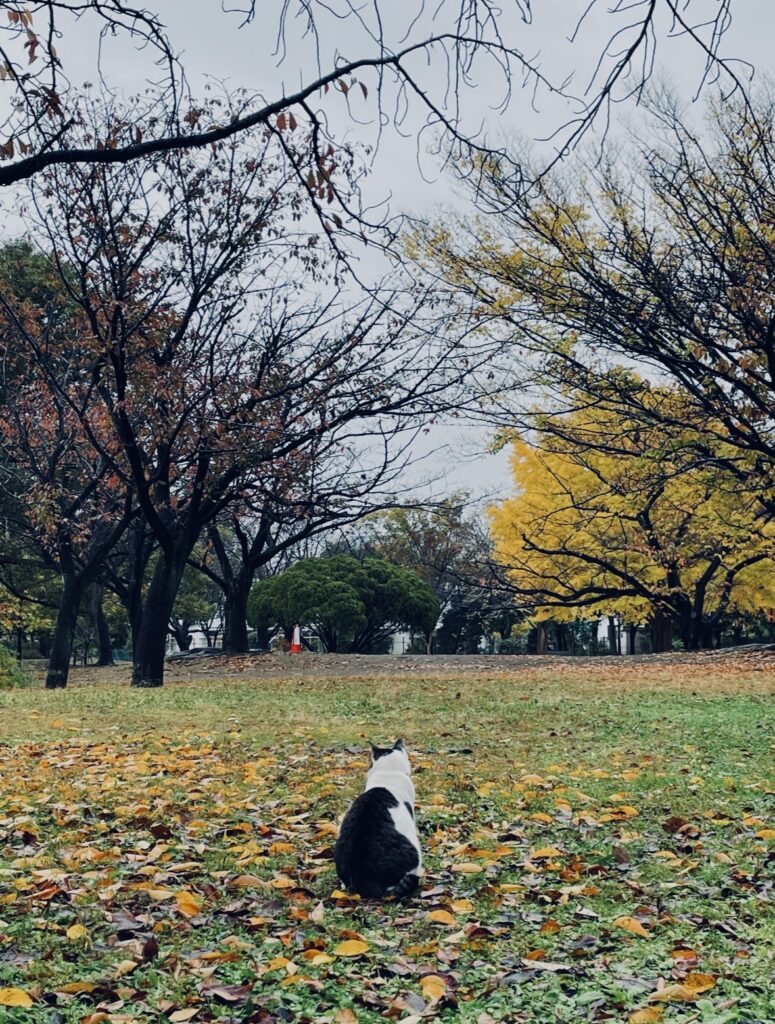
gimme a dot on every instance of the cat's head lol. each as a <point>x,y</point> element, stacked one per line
<point>394,758</point>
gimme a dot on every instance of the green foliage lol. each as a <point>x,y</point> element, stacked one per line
<point>350,604</point>
<point>11,672</point>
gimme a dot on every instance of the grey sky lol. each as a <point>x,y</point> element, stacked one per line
<point>213,46</point>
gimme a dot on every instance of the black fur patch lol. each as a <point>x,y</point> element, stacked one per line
<point>409,807</point>
<point>370,855</point>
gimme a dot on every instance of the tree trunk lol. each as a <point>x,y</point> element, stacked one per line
<point>101,630</point>
<point>64,631</point>
<point>235,617</point>
<point>613,636</point>
<point>661,631</point>
<point>632,633</point>
<point>541,638</point>
<point>559,633</point>
<point>150,644</point>
<point>181,631</point>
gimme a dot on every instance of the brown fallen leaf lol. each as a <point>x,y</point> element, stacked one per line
<point>230,994</point>
<point>345,1016</point>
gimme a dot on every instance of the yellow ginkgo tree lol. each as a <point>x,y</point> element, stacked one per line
<point>613,516</point>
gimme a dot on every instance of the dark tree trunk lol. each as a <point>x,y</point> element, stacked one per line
<point>613,636</point>
<point>64,631</point>
<point>632,633</point>
<point>561,634</point>
<point>101,630</point>
<point>150,643</point>
<point>541,638</point>
<point>235,616</point>
<point>181,631</point>
<point>661,631</point>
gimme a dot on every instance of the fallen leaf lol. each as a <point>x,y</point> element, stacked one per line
<point>432,987</point>
<point>345,1016</point>
<point>15,997</point>
<point>651,1015</point>
<point>441,917</point>
<point>631,925</point>
<point>76,932</point>
<point>188,903</point>
<point>351,947</point>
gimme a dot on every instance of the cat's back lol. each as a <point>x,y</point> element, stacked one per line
<point>368,815</point>
<point>371,855</point>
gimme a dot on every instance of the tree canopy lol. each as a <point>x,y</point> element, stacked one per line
<point>350,604</point>
<point>611,516</point>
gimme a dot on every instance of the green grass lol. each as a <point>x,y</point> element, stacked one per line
<point>581,794</point>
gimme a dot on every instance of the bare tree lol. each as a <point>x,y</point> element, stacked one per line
<point>223,349</point>
<point>425,60</point>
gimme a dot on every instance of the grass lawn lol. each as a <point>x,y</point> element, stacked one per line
<point>600,846</point>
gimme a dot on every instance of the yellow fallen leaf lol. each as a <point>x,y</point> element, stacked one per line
<point>316,958</point>
<point>75,988</point>
<point>462,906</point>
<point>467,868</point>
<point>283,882</point>
<point>351,947</point>
<point>651,1015</point>
<point>545,853</point>
<point>276,848</point>
<point>188,903</point>
<point>124,967</point>
<point>631,925</point>
<point>549,927</point>
<point>674,994</point>
<point>15,997</point>
<point>432,987</point>
<point>766,833</point>
<point>76,932</point>
<point>699,982</point>
<point>180,1016</point>
<point>541,816</point>
<point>441,917</point>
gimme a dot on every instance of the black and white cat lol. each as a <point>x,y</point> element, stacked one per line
<point>378,853</point>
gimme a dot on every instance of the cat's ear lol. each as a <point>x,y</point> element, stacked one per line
<point>399,745</point>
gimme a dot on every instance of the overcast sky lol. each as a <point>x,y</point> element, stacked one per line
<point>214,46</point>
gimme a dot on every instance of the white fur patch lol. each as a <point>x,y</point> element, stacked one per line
<point>393,773</point>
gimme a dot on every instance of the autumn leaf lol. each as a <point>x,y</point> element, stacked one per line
<point>549,927</point>
<point>467,868</point>
<point>441,917</point>
<point>631,925</point>
<point>351,947</point>
<point>180,1016</point>
<point>76,932</point>
<point>188,903</point>
<point>15,997</point>
<point>345,1016</point>
<point>650,1015</point>
<point>545,853</point>
<point>432,987</point>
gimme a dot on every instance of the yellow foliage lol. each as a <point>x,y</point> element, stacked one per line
<point>612,516</point>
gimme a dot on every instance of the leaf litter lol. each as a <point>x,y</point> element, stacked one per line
<point>190,877</point>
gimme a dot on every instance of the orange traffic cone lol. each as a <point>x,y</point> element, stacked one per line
<point>296,642</point>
